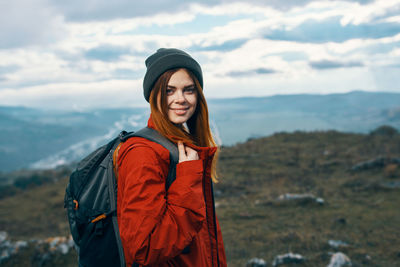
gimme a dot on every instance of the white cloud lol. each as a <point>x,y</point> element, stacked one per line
<point>127,25</point>
<point>395,53</point>
<point>57,73</point>
<point>110,93</point>
<point>395,19</point>
<point>367,13</point>
<point>26,23</point>
<point>285,83</point>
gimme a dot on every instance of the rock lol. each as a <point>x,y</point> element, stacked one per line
<point>288,258</point>
<point>301,198</point>
<point>63,248</point>
<point>41,259</point>
<point>3,236</point>
<point>326,152</point>
<point>390,185</point>
<point>44,248</point>
<point>220,204</point>
<point>378,162</point>
<point>4,255</point>
<point>339,259</point>
<point>217,193</point>
<point>54,241</point>
<point>71,242</point>
<point>20,244</point>
<point>260,202</point>
<point>256,262</point>
<point>367,259</point>
<point>7,248</point>
<point>341,221</point>
<point>337,243</point>
<point>60,244</point>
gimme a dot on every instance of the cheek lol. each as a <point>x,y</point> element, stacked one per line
<point>193,100</point>
<point>169,100</point>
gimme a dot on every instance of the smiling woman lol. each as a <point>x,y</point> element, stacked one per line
<point>175,226</point>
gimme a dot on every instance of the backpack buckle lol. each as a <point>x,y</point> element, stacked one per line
<point>76,204</point>
<point>122,134</point>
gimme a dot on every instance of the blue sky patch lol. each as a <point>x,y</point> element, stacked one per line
<point>106,53</point>
<point>201,24</point>
<point>9,69</point>
<point>331,64</point>
<point>127,74</point>
<point>224,47</point>
<point>258,71</point>
<point>330,30</point>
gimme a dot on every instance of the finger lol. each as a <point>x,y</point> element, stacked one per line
<point>181,150</point>
<point>191,153</point>
<point>188,150</point>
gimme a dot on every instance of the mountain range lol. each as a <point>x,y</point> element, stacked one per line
<point>41,138</point>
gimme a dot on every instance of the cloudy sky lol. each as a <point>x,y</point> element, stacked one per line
<point>82,54</point>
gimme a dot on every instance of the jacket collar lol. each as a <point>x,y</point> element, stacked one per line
<point>150,122</point>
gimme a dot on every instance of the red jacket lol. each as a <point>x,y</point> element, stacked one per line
<point>156,226</point>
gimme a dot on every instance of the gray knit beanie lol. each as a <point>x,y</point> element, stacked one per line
<point>165,59</point>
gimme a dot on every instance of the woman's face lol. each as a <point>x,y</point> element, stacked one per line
<point>181,97</point>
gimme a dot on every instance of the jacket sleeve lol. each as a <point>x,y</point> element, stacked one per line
<point>156,226</point>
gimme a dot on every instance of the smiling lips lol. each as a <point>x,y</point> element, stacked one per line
<point>180,111</point>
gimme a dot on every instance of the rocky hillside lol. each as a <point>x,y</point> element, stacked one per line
<point>303,197</point>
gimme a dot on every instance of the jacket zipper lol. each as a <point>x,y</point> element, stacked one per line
<point>215,223</point>
<point>207,216</point>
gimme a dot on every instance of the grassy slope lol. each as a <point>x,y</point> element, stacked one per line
<point>253,174</point>
<point>36,213</point>
<point>356,211</point>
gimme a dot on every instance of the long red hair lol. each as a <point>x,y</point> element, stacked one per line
<point>198,125</point>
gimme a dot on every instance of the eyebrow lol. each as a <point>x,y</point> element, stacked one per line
<point>186,87</point>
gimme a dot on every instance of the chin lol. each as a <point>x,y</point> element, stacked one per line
<point>178,121</point>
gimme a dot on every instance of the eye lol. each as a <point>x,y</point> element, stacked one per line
<point>190,90</point>
<point>169,91</point>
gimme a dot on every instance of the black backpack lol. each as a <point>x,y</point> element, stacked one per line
<point>90,200</point>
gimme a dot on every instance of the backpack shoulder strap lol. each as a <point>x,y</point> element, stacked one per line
<point>155,136</point>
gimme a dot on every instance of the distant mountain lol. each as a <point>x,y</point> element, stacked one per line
<point>47,138</point>
<point>240,118</point>
<point>44,139</point>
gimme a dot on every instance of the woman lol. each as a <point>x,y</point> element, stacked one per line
<point>178,227</point>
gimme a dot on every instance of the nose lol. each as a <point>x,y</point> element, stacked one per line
<point>180,97</point>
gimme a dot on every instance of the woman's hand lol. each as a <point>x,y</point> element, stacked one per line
<point>186,153</point>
